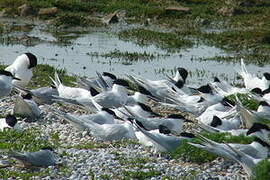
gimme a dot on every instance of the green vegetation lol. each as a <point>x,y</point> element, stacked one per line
<point>141,174</point>
<point>194,154</point>
<point>28,140</point>
<point>90,145</point>
<point>129,55</point>
<point>261,171</point>
<point>70,19</point>
<point>245,100</point>
<point>134,162</point>
<point>161,39</point>
<point>4,174</point>
<point>42,72</point>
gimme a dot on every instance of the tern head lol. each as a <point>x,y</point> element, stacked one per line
<point>144,91</point>
<point>263,103</point>
<point>266,75</point>
<point>257,91</point>
<point>183,72</point>
<point>32,60</point>
<point>145,107</point>
<point>11,120</point>
<point>164,129</point>
<point>53,86</point>
<point>175,116</point>
<point>110,75</point>
<point>179,83</point>
<point>93,91</point>
<point>216,122</point>
<point>226,102</point>
<point>140,124</point>
<point>205,89</point>
<point>8,74</point>
<point>266,91</point>
<point>258,127</point>
<point>186,134</point>
<point>121,82</point>
<point>216,79</point>
<point>201,100</point>
<point>263,143</point>
<point>27,96</point>
<point>109,111</point>
<point>48,148</point>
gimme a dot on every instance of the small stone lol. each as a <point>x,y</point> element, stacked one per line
<point>179,9</point>
<point>48,11</point>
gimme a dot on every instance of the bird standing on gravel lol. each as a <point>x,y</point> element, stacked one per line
<point>43,158</point>
<point>22,68</point>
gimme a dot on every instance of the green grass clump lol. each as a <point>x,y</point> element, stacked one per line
<point>261,171</point>
<point>239,39</point>
<point>130,56</point>
<point>136,162</point>
<point>194,154</point>
<point>28,140</point>
<point>245,100</point>
<point>5,174</point>
<point>161,39</point>
<point>42,72</point>
<point>141,174</point>
<point>71,20</point>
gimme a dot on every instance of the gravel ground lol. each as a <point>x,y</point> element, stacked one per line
<point>84,157</point>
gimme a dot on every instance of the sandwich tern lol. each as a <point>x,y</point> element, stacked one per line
<point>22,68</point>
<point>43,158</point>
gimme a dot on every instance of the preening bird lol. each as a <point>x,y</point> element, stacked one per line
<point>22,68</point>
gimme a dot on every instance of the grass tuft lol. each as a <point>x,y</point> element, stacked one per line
<point>245,100</point>
<point>161,39</point>
<point>261,171</point>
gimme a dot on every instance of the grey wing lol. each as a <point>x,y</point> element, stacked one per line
<point>4,89</point>
<point>116,132</point>
<point>45,94</point>
<point>165,142</point>
<point>22,108</point>
<point>247,149</point>
<point>108,100</point>
<point>34,108</point>
<point>41,158</point>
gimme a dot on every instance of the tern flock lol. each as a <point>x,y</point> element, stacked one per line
<point>115,112</point>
